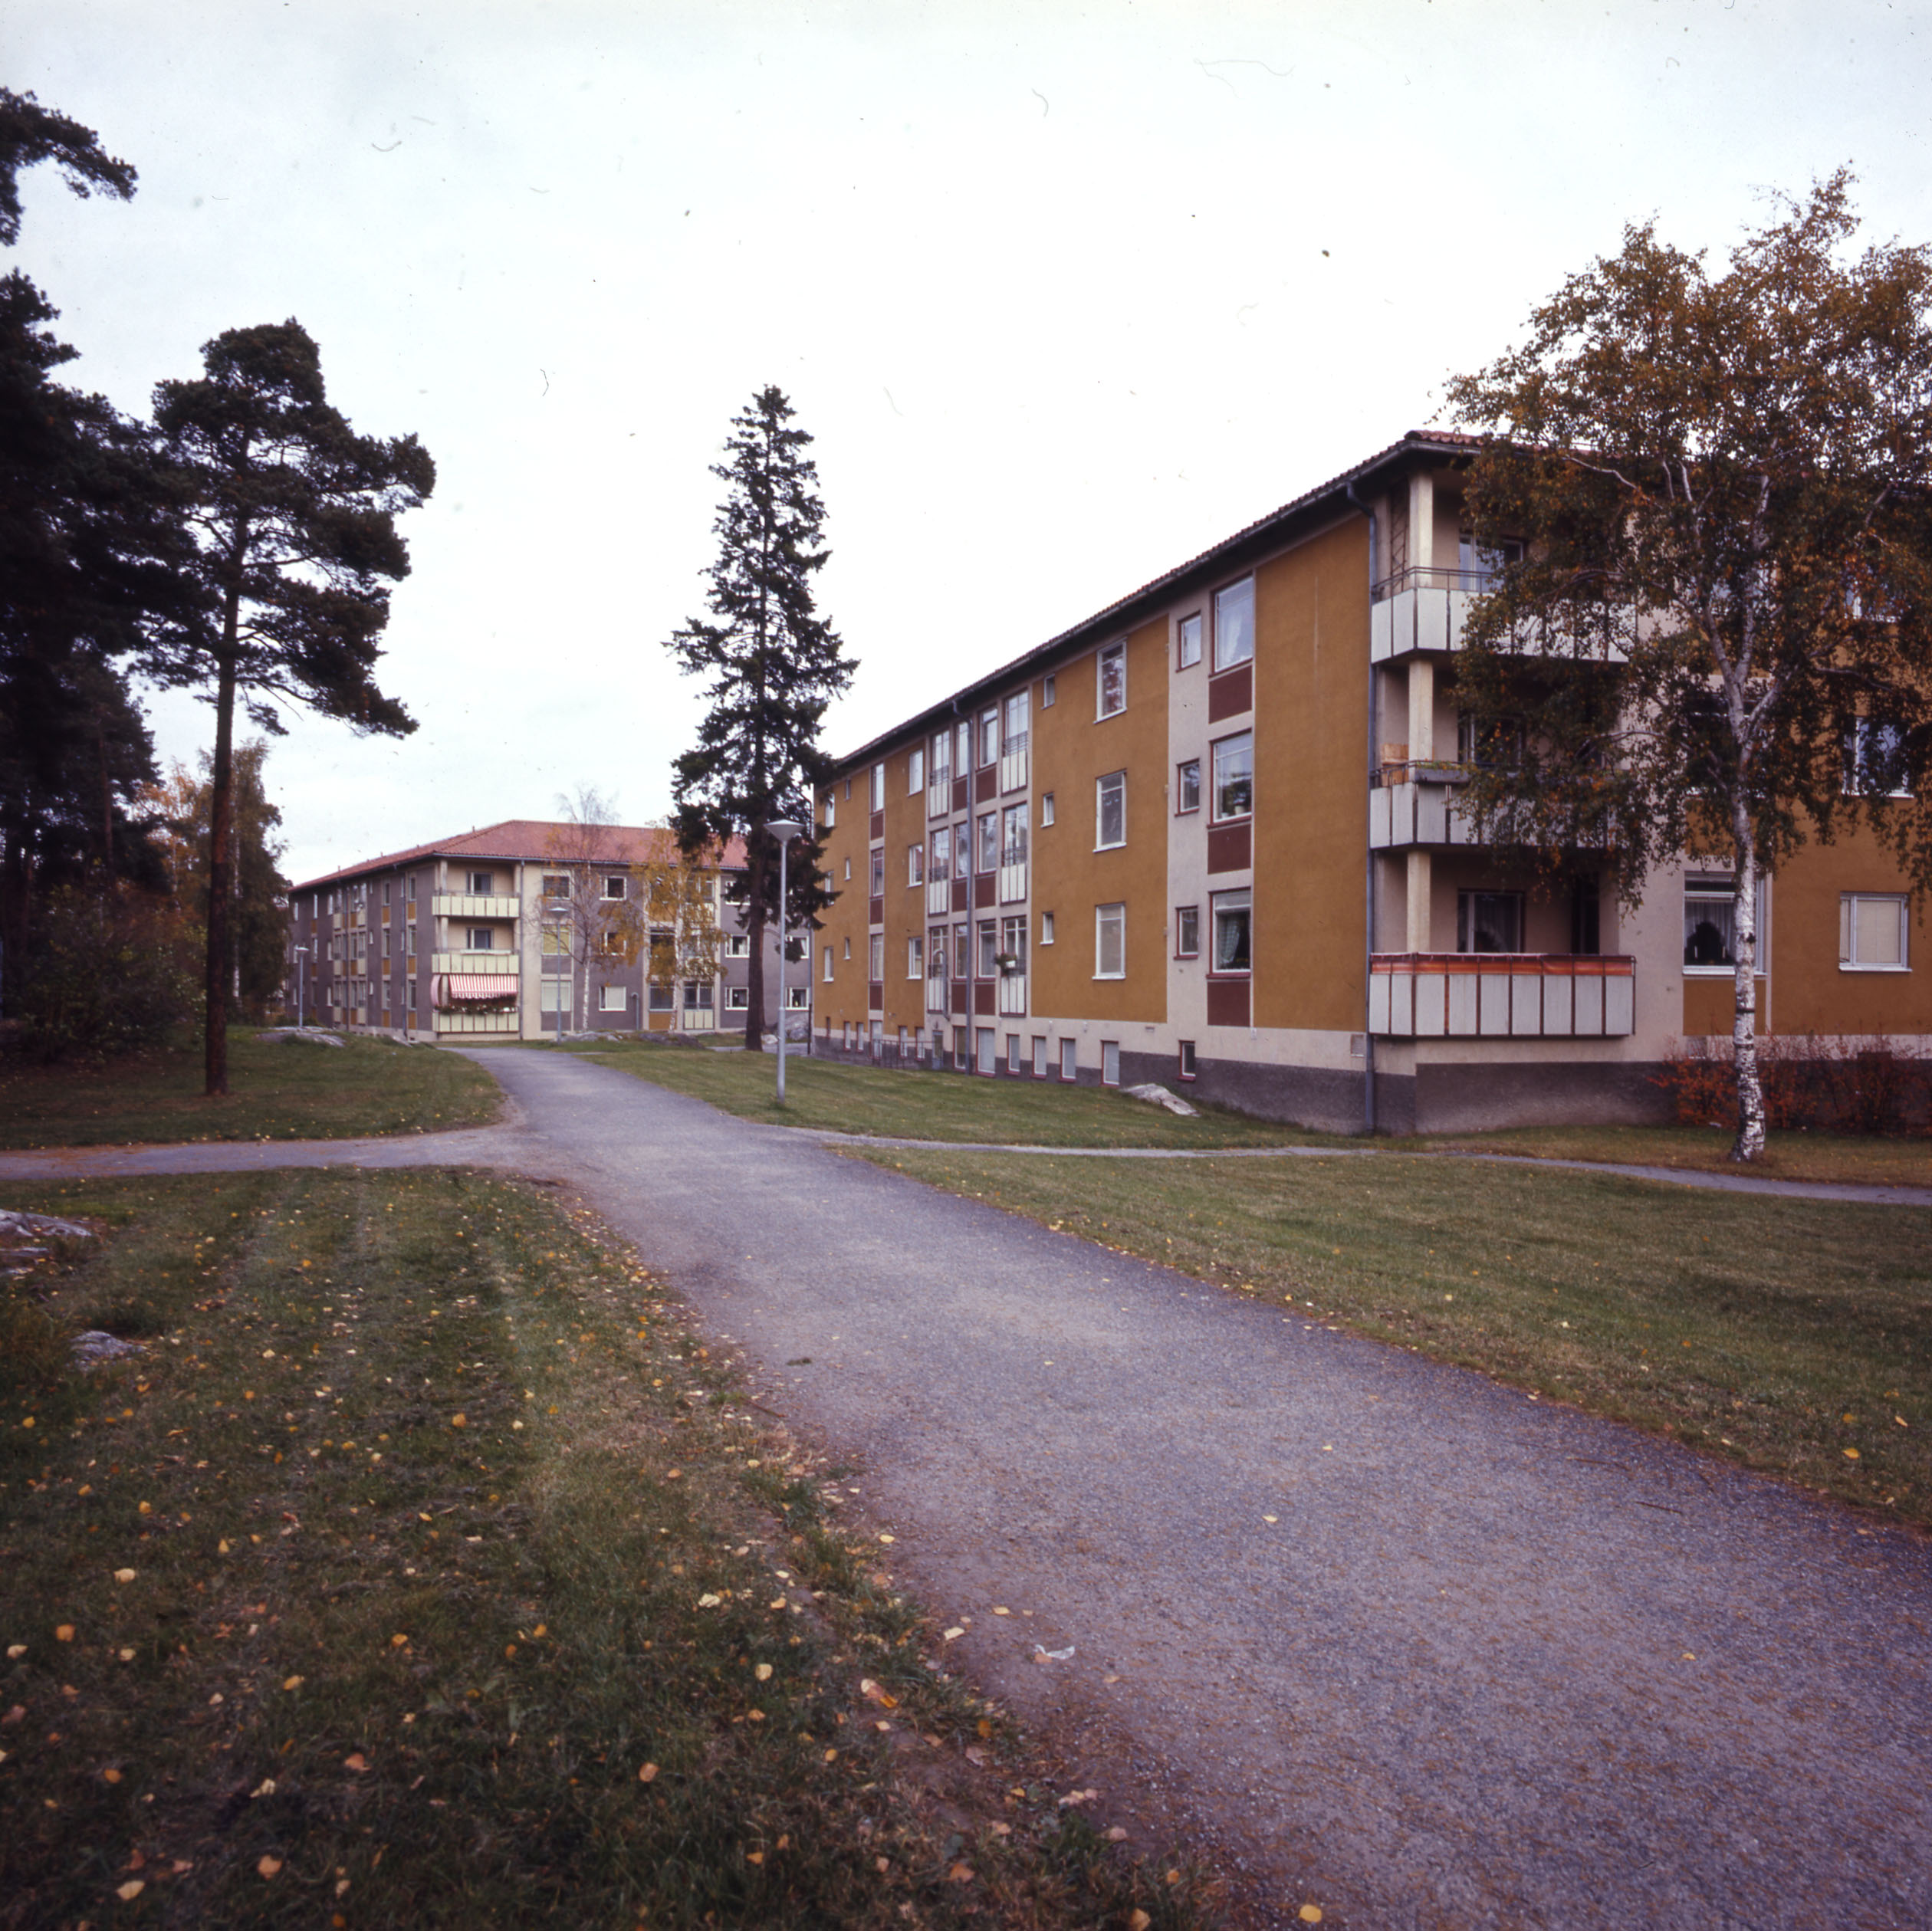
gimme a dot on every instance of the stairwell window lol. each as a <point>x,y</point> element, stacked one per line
<point>915,769</point>
<point>1110,811</point>
<point>1234,625</point>
<point>915,864</point>
<point>828,964</point>
<point>1187,932</point>
<point>915,958</point>
<point>1234,949</point>
<point>1187,642</point>
<point>879,787</point>
<point>1872,930</point>
<point>1046,809</point>
<point>876,958</point>
<point>1110,941</point>
<point>878,873</point>
<point>1046,928</point>
<point>1187,786</point>
<point>1111,681</point>
<point>1234,777</point>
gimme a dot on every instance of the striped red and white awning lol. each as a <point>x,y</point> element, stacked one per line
<point>468,988</point>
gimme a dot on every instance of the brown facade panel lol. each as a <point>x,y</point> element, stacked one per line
<point>1228,1002</point>
<point>984,999</point>
<point>876,829</point>
<point>1230,693</point>
<point>875,911</point>
<point>962,894</point>
<point>985,888</point>
<point>875,997</point>
<point>961,998</point>
<point>1231,848</point>
<point>1710,1005</point>
<point>986,783</point>
<point>962,792</point>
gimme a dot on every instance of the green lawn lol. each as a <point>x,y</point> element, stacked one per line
<point>422,1568</point>
<point>847,1099</point>
<point>1794,1336</point>
<point>278,1091</point>
<point>1867,1158</point>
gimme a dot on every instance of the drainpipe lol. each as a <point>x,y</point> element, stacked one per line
<point>1368,864</point>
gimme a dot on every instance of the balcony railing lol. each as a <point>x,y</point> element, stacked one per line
<point>939,795</point>
<point>506,961</point>
<point>1013,995</point>
<point>1013,882</point>
<point>939,896</point>
<point>1013,763</point>
<point>936,1001</point>
<point>469,904</point>
<point>1502,995</point>
<point>1413,803</point>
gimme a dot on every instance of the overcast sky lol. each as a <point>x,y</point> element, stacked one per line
<point>1064,293</point>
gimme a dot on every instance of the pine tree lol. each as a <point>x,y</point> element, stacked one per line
<point>772,664</point>
<point>292,516</point>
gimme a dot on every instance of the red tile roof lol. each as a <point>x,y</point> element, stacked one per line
<point>535,841</point>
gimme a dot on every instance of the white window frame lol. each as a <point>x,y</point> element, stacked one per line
<point>1187,641</point>
<point>1110,1062</point>
<point>616,886</point>
<point>1069,1059</point>
<point>1046,808</point>
<point>487,935</point>
<point>1240,899</point>
<point>613,998</point>
<point>1117,781</point>
<point>1184,804</point>
<point>798,999</point>
<point>915,864</point>
<point>737,999</point>
<point>1116,656</point>
<point>1040,1056</point>
<point>1233,741</point>
<point>1046,690</point>
<point>831,817</point>
<point>828,965</point>
<point>915,958</point>
<point>1046,928</point>
<point>1857,754</point>
<point>878,791</point>
<point>1110,918</point>
<point>1187,932</point>
<point>915,769</point>
<point>876,958</point>
<point>1229,652</point>
<point>1850,905</point>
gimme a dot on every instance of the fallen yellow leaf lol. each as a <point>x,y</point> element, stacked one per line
<point>1138,1921</point>
<point>754,1856</point>
<point>123,1575</point>
<point>762,1673</point>
<point>63,1633</point>
<point>291,1683</point>
<point>644,1775</point>
<point>355,1761</point>
<point>1309,1914</point>
<point>961,1873</point>
<point>128,1892</point>
<point>269,1866</point>
<point>110,1774</point>
<point>459,1421</point>
<point>1851,1454</point>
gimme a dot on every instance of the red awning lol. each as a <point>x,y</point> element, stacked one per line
<point>462,988</point>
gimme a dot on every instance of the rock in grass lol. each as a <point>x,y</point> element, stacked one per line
<point>300,1036</point>
<point>96,1346</point>
<point>1158,1095</point>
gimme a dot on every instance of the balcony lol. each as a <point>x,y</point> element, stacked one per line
<point>1013,995</point>
<point>1013,764</point>
<point>466,905</point>
<point>1424,608</point>
<point>938,897</point>
<point>1013,882</point>
<point>1502,995</point>
<point>936,994</point>
<point>505,961</point>
<point>939,795</point>
<point>1414,803</point>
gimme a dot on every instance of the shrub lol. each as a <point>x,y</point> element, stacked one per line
<point>111,975</point>
<point>1812,1082</point>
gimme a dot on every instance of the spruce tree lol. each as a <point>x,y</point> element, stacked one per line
<point>772,666</point>
<point>292,516</point>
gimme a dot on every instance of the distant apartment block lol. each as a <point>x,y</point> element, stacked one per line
<point>1211,836</point>
<point>469,937</point>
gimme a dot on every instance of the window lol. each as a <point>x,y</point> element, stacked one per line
<point>386,891</point>
<point>831,810</point>
<point>962,933</point>
<point>1494,741</point>
<point>915,769</point>
<point>409,890</point>
<point>1232,912</point>
<point>556,885</point>
<point>942,758</point>
<point>1110,1062</point>
<point>1187,785</point>
<point>1046,928</point>
<point>1190,1067</point>
<point>848,787</point>
<point>989,840</point>
<point>982,1044</point>
<point>963,737</point>
<point>1110,941</point>
<point>962,852</point>
<point>1013,835</point>
<point>1234,777</point>
<point>985,964</point>
<point>989,727</point>
<point>915,958</point>
<point>1187,932</point>
<point>1187,642</point>
<point>848,948</point>
<point>1012,1053</point>
<point>877,874</point>
<point>480,938</point>
<point>1110,811</point>
<point>798,999</point>
<point>698,995</point>
<point>876,958</point>
<point>936,952</point>
<point>1874,761</point>
<point>1489,921</point>
<point>1013,943</point>
<point>1046,809</point>
<point>616,886</point>
<point>386,941</point>
<point>480,883</point>
<point>1046,693</point>
<point>828,965</point>
<point>1871,932</point>
<point>613,998</point>
<point>1111,693</point>
<point>879,787</point>
<point>1040,1056</point>
<point>738,946</point>
<point>1234,624</point>
<point>737,999</point>
<point>915,864</point>
<point>1069,1059</point>
<point>1018,720</point>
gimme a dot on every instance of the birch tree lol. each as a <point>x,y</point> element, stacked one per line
<point>1717,639</point>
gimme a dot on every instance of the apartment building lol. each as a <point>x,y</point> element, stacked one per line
<point>1210,836</point>
<point>471,938</point>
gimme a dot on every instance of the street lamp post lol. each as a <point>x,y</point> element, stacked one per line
<point>784,830</point>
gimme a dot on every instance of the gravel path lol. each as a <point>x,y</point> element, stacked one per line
<point>1491,1663</point>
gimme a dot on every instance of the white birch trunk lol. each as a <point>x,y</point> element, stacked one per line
<point>1750,1143</point>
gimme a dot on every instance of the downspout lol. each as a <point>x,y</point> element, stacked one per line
<point>1368,861</point>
